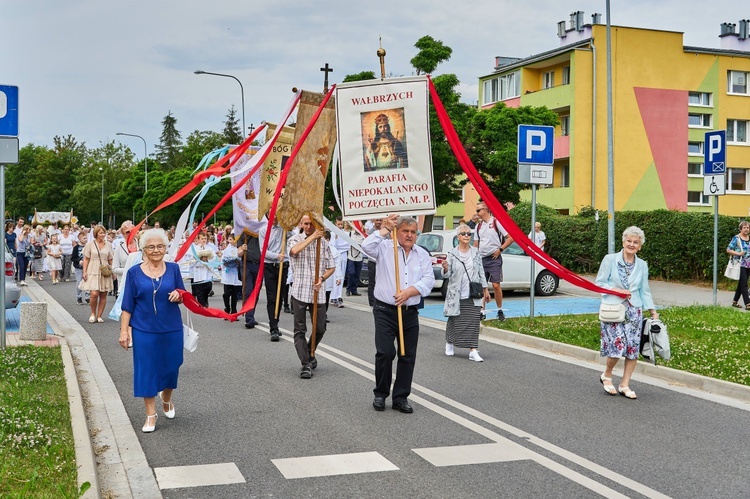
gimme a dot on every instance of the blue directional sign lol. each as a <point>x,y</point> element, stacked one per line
<point>715,153</point>
<point>8,110</point>
<point>536,144</point>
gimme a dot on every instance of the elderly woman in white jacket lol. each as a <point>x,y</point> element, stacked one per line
<point>463,265</point>
<point>625,273</point>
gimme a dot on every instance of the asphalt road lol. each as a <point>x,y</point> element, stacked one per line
<point>515,425</point>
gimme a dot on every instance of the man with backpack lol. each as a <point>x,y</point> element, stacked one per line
<point>491,239</point>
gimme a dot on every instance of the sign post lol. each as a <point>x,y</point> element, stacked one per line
<point>536,156</point>
<point>714,184</point>
<point>8,155</point>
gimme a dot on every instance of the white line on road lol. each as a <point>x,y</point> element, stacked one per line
<point>175,477</point>
<point>334,464</point>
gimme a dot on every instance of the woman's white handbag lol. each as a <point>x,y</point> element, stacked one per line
<point>612,313</point>
<point>733,269</point>
<point>189,335</point>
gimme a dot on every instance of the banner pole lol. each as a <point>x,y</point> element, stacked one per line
<point>281,273</point>
<point>401,349</point>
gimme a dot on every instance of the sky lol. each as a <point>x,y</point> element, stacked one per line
<point>92,68</point>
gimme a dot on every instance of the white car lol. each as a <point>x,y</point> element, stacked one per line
<point>516,264</point>
<point>12,292</point>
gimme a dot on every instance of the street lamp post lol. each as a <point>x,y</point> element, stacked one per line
<point>242,90</point>
<point>101,219</point>
<point>145,158</point>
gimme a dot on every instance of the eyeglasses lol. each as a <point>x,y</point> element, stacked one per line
<point>160,247</point>
<point>479,210</point>
<point>464,233</point>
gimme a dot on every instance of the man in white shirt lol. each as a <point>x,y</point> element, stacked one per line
<point>491,239</point>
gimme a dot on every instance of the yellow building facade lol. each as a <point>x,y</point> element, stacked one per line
<point>666,96</point>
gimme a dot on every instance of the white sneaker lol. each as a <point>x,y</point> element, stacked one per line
<point>22,283</point>
<point>449,349</point>
<point>474,355</point>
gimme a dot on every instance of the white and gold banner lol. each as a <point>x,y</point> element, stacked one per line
<point>384,148</point>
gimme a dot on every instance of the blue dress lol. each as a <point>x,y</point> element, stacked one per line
<point>157,329</point>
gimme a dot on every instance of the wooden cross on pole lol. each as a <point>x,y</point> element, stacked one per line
<point>326,70</point>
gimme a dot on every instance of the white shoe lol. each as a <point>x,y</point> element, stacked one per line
<point>22,283</point>
<point>474,355</point>
<point>170,414</point>
<point>449,349</point>
<point>150,423</point>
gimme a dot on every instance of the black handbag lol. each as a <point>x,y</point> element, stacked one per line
<point>475,288</point>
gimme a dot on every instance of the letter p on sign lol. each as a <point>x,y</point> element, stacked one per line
<point>3,104</point>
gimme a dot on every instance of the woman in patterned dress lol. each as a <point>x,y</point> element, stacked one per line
<point>96,253</point>
<point>624,272</point>
<point>739,248</point>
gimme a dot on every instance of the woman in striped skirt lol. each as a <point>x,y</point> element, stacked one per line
<point>463,265</point>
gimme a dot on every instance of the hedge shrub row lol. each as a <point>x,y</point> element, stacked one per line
<point>679,245</point>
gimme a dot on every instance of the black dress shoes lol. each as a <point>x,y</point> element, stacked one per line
<point>402,406</point>
<point>356,294</point>
<point>275,335</point>
<point>378,403</point>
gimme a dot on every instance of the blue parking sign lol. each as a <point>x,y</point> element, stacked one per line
<point>715,153</point>
<point>536,144</point>
<point>9,110</point>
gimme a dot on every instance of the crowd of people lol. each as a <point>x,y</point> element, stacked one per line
<point>151,289</point>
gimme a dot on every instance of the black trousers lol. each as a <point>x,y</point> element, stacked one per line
<point>201,291</point>
<point>371,282</point>
<point>271,276</point>
<point>386,348</point>
<point>232,295</point>
<point>249,274</point>
<point>352,275</point>
<point>742,286</point>
<point>301,343</point>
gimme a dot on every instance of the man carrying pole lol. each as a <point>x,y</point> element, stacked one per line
<point>275,271</point>
<point>399,284</point>
<point>311,264</point>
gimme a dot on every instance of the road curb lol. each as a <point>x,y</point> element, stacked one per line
<point>115,459</point>
<point>672,376</point>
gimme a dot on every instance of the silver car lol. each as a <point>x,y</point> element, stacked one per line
<point>516,264</point>
<point>12,292</point>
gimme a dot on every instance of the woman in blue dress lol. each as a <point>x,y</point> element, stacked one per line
<point>150,309</point>
<point>625,273</point>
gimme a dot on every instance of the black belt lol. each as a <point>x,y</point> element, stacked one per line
<point>250,261</point>
<point>394,307</point>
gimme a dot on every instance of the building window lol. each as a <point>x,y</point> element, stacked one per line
<point>699,99</point>
<point>456,221</point>
<point>697,198</point>
<point>737,179</point>
<point>490,90</point>
<point>566,75</point>
<point>565,175</point>
<point>565,125</point>
<point>460,194</point>
<point>696,120</point>
<point>737,131</point>
<point>510,86</point>
<point>737,82</point>
<point>695,169</point>
<point>438,223</point>
<point>549,79</point>
<point>695,148</point>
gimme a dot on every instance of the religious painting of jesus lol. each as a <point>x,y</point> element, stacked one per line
<point>384,139</point>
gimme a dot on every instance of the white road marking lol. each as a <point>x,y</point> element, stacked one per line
<point>474,454</point>
<point>335,464</point>
<point>176,477</point>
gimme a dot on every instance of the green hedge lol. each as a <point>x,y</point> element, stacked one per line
<point>679,245</point>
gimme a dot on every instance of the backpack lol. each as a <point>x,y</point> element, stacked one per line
<point>494,224</point>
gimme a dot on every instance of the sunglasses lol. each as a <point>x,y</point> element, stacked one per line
<point>464,233</point>
<point>480,210</point>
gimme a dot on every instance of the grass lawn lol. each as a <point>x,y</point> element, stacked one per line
<point>37,454</point>
<point>707,340</point>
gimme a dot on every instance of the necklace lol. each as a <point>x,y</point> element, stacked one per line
<point>154,281</point>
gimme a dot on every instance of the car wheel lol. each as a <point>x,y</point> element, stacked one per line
<point>546,283</point>
<point>444,288</point>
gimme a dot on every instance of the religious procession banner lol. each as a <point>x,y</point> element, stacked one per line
<point>275,162</point>
<point>245,200</point>
<point>50,217</point>
<point>305,185</point>
<point>384,148</point>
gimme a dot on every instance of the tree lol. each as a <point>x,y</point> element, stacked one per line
<point>491,142</point>
<point>431,53</point>
<point>232,128</point>
<point>364,75</point>
<point>170,143</point>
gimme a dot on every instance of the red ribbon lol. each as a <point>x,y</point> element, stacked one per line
<point>497,209</point>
